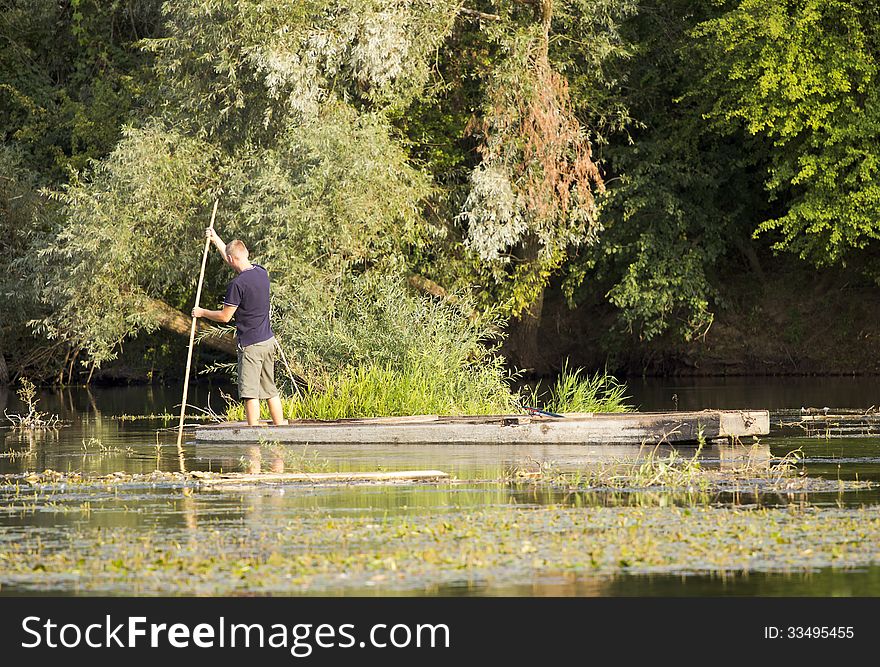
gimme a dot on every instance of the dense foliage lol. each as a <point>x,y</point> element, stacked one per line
<point>803,76</point>
<point>632,155</point>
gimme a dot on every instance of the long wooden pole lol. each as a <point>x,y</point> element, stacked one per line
<point>192,337</point>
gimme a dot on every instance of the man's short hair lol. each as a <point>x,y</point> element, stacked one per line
<point>236,247</point>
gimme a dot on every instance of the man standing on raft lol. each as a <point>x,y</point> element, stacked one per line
<point>247,298</point>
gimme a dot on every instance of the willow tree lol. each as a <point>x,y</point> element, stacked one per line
<point>281,110</point>
<point>531,201</point>
<point>69,75</point>
<point>291,113</point>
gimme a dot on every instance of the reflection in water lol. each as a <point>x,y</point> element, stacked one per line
<point>822,583</point>
<point>190,517</point>
<point>476,462</point>
<point>827,582</point>
<point>254,464</point>
<point>733,457</point>
<point>26,444</point>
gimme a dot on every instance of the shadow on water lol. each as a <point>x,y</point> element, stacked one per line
<point>756,393</point>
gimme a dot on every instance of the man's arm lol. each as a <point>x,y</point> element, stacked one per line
<point>222,316</point>
<point>218,243</point>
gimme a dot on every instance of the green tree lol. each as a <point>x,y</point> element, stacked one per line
<point>801,75</point>
<point>681,197</point>
<point>282,111</point>
<point>69,77</point>
<point>523,176</point>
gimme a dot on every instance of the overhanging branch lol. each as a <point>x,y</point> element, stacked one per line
<point>473,13</point>
<point>173,320</point>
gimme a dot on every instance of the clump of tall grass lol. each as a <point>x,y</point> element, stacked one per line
<point>434,388</point>
<point>384,391</point>
<point>575,390</point>
<point>381,351</point>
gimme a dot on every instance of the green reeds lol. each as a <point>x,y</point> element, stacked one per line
<point>429,387</point>
<point>575,390</point>
<point>383,391</point>
<point>382,352</point>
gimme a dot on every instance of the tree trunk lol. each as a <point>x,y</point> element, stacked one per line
<point>748,251</point>
<point>171,319</point>
<point>526,351</point>
<point>4,371</point>
<point>428,286</point>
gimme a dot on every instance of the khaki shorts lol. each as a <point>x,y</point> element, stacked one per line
<point>256,370</point>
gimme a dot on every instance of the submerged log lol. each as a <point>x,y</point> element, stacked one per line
<point>173,320</point>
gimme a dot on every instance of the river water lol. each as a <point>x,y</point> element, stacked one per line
<point>101,440</point>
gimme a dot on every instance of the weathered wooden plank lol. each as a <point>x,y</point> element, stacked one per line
<point>209,479</point>
<point>625,428</point>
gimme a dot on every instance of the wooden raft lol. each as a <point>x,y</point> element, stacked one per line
<point>573,428</point>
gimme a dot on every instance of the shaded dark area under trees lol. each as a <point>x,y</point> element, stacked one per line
<point>660,187</point>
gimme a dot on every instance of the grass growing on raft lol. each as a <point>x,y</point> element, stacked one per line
<point>382,391</point>
<point>575,390</point>
<point>379,351</point>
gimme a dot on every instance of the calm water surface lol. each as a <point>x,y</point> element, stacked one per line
<point>98,441</point>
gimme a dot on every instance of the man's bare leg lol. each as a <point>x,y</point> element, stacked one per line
<point>252,410</point>
<point>276,411</point>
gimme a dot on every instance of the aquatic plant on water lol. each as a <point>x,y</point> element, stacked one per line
<point>317,551</point>
<point>677,472</point>
<point>33,419</point>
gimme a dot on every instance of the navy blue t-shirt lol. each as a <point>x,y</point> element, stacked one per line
<point>249,290</point>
